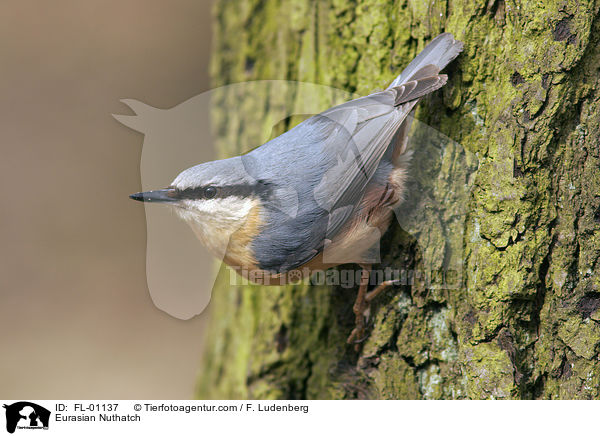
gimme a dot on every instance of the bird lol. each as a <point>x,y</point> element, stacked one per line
<point>318,195</point>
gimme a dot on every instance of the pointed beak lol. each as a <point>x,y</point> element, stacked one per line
<point>168,195</point>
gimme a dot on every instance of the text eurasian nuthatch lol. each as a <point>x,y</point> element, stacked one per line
<point>319,194</point>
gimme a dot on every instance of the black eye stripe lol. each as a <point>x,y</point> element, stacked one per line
<point>260,189</point>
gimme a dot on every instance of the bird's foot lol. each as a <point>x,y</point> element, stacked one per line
<point>358,335</point>
<point>379,289</point>
<point>362,309</point>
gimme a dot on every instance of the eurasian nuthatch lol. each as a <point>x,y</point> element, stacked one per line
<point>317,195</point>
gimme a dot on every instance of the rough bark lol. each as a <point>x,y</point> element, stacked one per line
<point>524,96</point>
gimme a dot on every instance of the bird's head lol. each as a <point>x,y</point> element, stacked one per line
<point>215,198</point>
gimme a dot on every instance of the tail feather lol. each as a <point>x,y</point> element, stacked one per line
<point>415,89</point>
<point>420,78</point>
<point>438,53</point>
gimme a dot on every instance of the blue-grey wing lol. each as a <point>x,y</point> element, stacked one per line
<point>322,167</point>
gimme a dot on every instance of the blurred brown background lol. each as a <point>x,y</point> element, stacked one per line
<point>75,313</point>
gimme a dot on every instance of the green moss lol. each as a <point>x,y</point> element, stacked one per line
<point>523,98</point>
<point>396,379</point>
<point>582,337</point>
<point>490,373</point>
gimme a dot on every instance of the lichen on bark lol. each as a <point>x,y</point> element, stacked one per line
<point>524,97</point>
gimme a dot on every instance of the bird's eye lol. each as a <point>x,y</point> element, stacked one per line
<point>210,192</point>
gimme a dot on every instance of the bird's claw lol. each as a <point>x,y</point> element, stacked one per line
<point>362,310</point>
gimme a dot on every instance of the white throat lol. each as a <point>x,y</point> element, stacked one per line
<point>215,220</point>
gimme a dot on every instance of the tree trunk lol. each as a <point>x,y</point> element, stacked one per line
<point>524,97</point>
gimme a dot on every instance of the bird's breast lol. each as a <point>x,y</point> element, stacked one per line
<point>239,251</point>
